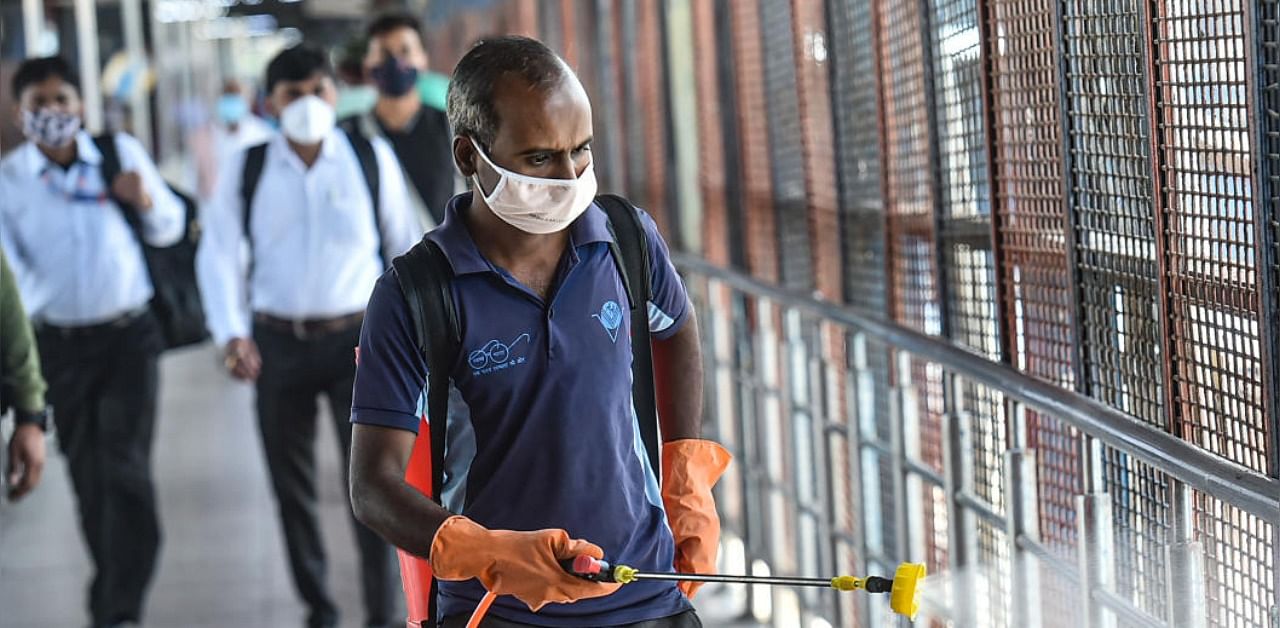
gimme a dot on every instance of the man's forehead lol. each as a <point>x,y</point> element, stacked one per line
<point>51,84</point>
<point>525,109</point>
<point>318,78</point>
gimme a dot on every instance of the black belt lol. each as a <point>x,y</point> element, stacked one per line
<point>303,328</point>
<point>70,331</point>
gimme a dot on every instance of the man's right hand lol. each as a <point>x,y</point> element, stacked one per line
<point>242,359</point>
<point>525,565</point>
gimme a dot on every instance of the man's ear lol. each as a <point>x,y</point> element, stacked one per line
<point>464,155</point>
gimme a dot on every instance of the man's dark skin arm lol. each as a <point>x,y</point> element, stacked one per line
<point>677,365</point>
<point>382,499</point>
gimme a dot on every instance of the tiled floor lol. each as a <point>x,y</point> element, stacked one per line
<point>223,563</point>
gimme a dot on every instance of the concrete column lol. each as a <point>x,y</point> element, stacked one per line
<point>32,25</point>
<point>86,14</point>
<point>135,46</point>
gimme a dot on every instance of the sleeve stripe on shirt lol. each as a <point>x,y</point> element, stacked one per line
<point>659,321</point>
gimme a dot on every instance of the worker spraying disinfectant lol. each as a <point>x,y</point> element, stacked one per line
<point>903,589</point>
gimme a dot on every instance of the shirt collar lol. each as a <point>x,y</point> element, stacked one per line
<point>328,148</point>
<point>454,239</point>
<point>86,151</point>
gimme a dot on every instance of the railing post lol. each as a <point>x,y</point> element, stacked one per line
<point>862,407</point>
<point>904,406</point>
<point>957,465</point>
<point>1021,520</point>
<point>1093,512</point>
<point>1185,559</point>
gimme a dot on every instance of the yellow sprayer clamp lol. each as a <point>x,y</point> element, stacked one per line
<point>905,597</point>
<point>847,583</point>
<point>623,574</point>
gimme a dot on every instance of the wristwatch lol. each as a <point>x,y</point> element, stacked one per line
<point>39,419</point>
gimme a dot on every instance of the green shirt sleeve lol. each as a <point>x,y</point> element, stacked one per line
<point>21,385</point>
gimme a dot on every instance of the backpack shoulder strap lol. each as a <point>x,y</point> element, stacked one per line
<point>368,159</point>
<point>110,168</point>
<point>630,250</point>
<point>254,159</point>
<point>425,278</point>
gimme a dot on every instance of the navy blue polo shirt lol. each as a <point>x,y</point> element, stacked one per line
<point>541,432</point>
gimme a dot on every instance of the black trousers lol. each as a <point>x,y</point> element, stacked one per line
<point>687,619</point>
<point>294,373</point>
<point>102,385</point>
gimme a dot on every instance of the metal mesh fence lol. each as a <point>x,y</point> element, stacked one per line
<point>1140,498</point>
<point>785,156</point>
<point>1205,189</point>
<point>1239,565</point>
<point>991,583</point>
<point>1029,188</point>
<point>906,125</point>
<point>857,142</point>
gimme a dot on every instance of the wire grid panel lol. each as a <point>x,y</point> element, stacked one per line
<point>1059,599</point>
<point>971,294</point>
<point>748,63</point>
<point>857,141</point>
<point>984,411</point>
<point>1058,474</point>
<point>1029,188</point>
<point>1140,508</point>
<point>711,159</point>
<point>930,408</point>
<point>1111,196</point>
<point>957,86</point>
<point>915,290</point>
<point>1268,28</point>
<point>786,156</point>
<point>879,504</point>
<point>1239,555</point>
<point>1206,187</point>
<point>854,94</point>
<point>906,120</point>
<point>991,584</point>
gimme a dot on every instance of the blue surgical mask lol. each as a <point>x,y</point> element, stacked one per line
<point>232,109</point>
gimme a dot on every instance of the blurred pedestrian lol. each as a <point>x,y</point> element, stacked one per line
<point>321,211</point>
<point>75,244</point>
<point>21,388</point>
<point>394,61</point>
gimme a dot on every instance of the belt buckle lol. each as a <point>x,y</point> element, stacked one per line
<point>299,329</point>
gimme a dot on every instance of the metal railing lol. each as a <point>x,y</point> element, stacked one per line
<point>846,464</point>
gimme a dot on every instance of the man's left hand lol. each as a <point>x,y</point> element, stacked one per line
<point>128,187</point>
<point>690,468</point>
<point>26,460</point>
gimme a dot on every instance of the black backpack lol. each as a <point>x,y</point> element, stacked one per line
<point>425,276</point>
<point>176,303</point>
<point>256,156</point>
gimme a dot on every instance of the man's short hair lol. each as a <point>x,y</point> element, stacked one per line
<point>470,102</point>
<point>298,63</point>
<point>388,22</point>
<point>33,71</point>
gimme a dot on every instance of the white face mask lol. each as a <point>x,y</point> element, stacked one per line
<point>536,205</point>
<point>307,120</point>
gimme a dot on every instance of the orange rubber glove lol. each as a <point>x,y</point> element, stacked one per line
<point>690,467</point>
<point>524,565</point>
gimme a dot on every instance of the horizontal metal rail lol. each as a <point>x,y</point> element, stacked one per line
<point>1248,490</point>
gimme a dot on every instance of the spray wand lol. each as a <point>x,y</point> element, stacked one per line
<point>903,589</point>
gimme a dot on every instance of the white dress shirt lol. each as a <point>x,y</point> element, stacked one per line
<point>314,243</point>
<point>250,131</point>
<point>76,259</point>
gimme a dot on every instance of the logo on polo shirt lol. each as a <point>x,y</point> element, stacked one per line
<point>496,355</point>
<point>610,317</point>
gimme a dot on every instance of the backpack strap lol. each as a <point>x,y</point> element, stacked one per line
<point>426,280</point>
<point>254,159</point>
<point>110,169</point>
<point>630,250</point>
<point>368,159</point>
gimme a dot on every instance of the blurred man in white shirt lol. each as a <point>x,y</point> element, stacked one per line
<point>75,244</point>
<point>321,213</point>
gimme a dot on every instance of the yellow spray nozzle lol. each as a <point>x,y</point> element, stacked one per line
<point>905,597</point>
<point>847,583</point>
